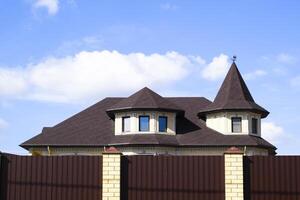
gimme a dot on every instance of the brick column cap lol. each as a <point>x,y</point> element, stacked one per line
<point>233,150</point>
<point>111,150</point>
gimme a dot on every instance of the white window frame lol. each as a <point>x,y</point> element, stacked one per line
<point>123,124</point>
<point>241,124</point>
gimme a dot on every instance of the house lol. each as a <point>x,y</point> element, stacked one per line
<point>147,123</point>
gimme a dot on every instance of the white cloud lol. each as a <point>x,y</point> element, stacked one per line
<point>12,81</point>
<point>197,59</point>
<point>217,68</point>
<point>52,6</point>
<point>255,74</point>
<point>286,58</point>
<point>272,132</point>
<point>89,75</point>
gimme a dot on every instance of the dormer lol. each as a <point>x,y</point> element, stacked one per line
<point>145,112</point>
<point>234,110</point>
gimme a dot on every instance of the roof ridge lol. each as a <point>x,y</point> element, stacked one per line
<point>150,94</point>
<point>145,99</point>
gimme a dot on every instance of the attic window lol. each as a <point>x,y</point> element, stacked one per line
<point>254,125</point>
<point>236,124</point>
<point>126,124</point>
<point>144,123</point>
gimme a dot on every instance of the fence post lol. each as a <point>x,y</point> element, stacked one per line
<point>111,174</point>
<point>234,180</point>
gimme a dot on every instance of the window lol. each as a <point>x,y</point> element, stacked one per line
<point>236,124</point>
<point>254,125</point>
<point>162,123</point>
<point>126,124</point>
<point>144,123</point>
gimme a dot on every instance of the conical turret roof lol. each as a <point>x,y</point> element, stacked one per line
<point>234,95</point>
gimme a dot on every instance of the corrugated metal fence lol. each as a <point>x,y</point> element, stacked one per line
<point>51,178</point>
<point>172,178</point>
<point>146,177</point>
<point>272,177</point>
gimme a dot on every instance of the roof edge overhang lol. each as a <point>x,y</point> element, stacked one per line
<point>263,113</point>
<point>111,112</point>
<point>28,146</point>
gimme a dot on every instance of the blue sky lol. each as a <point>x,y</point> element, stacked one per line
<point>58,57</point>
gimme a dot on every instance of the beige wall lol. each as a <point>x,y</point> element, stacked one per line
<point>221,122</point>
<point>147,150</point>
<point>153,125</point>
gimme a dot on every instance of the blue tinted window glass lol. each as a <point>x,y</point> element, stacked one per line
<point>144,123</point>
<point>162,122</point>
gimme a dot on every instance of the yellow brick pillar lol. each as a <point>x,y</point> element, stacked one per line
<point>234,179</point>
<point>111,174</point>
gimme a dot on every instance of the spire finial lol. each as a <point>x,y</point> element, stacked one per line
<point>233,58</point>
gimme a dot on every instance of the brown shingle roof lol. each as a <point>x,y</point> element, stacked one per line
<point>93,127</point>
<point>144,99</point>
<point>234,95</point>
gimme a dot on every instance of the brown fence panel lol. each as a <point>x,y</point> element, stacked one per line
<point>2,180</point>
<point>51,178</point>
<point>172,178</point>
<point>272,177</point>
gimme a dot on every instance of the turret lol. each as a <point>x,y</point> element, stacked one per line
<point>234,110</point>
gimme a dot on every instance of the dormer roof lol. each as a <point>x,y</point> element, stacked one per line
<point>144,99</point>
<point>234,95</point>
